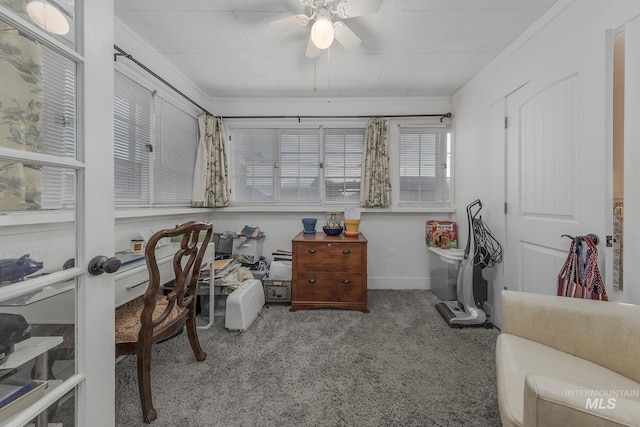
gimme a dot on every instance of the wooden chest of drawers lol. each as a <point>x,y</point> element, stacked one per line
<point>329,271</point>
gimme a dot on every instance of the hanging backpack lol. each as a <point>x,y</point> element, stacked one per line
<point>569,277</point>
<point>580,276</point>
<point>592,282</point>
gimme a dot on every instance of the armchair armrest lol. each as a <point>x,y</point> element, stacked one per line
<point>550,402</point>
<point>601,332</point>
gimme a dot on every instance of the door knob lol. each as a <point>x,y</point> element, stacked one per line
<point>102,264</point>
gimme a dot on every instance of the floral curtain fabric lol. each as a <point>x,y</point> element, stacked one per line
<point>211,178</point>
<point>20,118</point>
<point>376,182</point>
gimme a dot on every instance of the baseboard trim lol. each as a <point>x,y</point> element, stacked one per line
<point>399,283</point>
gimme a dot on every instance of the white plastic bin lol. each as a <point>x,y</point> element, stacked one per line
<point>249,251</point>
<point>444,265</point>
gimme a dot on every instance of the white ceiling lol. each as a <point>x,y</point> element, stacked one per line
<point>409,48</point>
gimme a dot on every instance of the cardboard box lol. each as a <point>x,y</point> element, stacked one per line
<point>441,234</point>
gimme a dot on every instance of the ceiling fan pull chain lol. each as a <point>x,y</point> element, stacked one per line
<point>315,74</point>
<point>329,75</point>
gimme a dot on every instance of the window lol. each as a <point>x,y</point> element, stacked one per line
<point>311,166</point>
<point>424,172</point>
<point>59,129</point>
<point>176,144</point>
<point>297,168</point>
<point>38,115</point>
<point>133,111</point>
<point>343,164</point>
<point>155,148</point>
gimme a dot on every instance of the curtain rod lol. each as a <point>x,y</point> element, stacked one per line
<point>442,116</point>
<point>144,67</point>
<point>130,57</point>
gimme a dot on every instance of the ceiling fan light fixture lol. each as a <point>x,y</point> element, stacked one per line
<point>322,31</point>
<point>48,17</point>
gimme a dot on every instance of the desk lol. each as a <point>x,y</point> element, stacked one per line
<point>133,278</point>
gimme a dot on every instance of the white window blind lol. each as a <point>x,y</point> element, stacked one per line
<point>309,166</point>
<point>58,135</point>
<point>252,165</point>
<point>155,144</point>
<point>174,155</point>
<point>298,166</point>
<point>133,112</point>
<point>423,166</point>
<point>343,164</point>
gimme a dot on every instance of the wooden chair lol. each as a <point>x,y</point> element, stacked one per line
<point>155,317</point>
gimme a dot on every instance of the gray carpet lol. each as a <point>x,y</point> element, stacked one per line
<point>399,365</point>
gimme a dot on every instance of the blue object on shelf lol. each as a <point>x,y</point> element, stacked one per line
<point>15,269</point>
<point>309,225</point>
<point>332,231</point>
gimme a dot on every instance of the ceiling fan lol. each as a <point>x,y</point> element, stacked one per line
<point>324,30</point>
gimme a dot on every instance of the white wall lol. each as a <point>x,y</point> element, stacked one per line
<point>396,249</point>
<point>569,28</point>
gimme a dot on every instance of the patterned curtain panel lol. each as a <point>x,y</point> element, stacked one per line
<point>376,183</point>
<point>211,177</point>
<point>20,118</point>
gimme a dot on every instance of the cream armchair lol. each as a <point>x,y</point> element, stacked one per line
<point>568,362</point>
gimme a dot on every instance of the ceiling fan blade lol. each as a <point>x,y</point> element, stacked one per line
<point>312,50</point>
<point>352,8</point>
<point>345,36</point>
<point>290,23</point>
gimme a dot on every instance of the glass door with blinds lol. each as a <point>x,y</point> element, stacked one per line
<point>56,321</point>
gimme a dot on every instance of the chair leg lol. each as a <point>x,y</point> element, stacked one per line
<point>193,338</point>
<point>144,385</point>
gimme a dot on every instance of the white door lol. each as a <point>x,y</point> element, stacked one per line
<point>555,154</point>
<point>56,197</point>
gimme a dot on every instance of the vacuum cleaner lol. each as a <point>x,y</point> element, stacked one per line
<point>482,251</point>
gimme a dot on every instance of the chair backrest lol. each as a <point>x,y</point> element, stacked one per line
<point>186,266</point>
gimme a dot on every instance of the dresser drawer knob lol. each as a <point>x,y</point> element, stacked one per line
<point>346,252</point>
<point>312,281</point>
<point>346,281</point>
<point>312,251</point>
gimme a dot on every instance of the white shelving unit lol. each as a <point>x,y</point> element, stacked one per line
<point>35,348</point>
<point>30,349</point>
